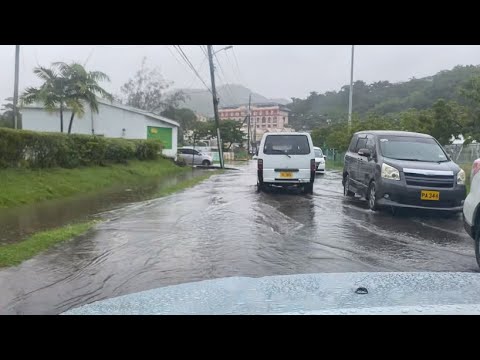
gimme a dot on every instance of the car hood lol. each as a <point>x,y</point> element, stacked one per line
<point>334,293</point>
<point>421,165</point>
<point>318,159</point>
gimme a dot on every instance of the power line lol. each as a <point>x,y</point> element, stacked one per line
<point>190,65</point>
<point>226,86</point>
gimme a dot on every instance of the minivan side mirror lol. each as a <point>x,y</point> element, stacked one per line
<point>364,152</point>
<point>325,157</point>
<point>256,152</point>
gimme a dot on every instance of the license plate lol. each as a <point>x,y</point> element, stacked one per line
<point>430,195</point>
<point>287,175</point>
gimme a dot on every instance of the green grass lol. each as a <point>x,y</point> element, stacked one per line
<point>25,186</point>
<point>333,165</point>
<point>14,254</point>
<point>186,183</point>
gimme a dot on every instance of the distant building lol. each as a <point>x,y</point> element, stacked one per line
<point>264,116</point>
<point>113,120</point>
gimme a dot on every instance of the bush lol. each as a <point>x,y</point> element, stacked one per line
<point>19,148</point>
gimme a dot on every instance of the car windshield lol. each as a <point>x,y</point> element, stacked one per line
<point>411,148</point>
<point>318,153</point>
<point>286,144</point>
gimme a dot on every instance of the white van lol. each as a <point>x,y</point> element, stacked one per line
<point>286,159</point>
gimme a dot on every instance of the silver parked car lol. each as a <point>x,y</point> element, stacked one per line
<point>192,156</point>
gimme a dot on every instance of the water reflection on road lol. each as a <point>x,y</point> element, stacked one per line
<point>223,227</point>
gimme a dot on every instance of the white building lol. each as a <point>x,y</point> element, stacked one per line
<point>113,120</point>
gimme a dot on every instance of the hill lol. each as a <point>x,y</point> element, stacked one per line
<point>380,97</point>
<point>200,100</point>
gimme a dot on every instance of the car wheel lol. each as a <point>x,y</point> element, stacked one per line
<point>308,188</point>
<point>206,163</point>
<point>372,197</point>
<point>259,186</point>
<point>346,185</point>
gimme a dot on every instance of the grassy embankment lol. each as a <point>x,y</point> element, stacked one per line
<point>26,186</point>
<point>21,186</point>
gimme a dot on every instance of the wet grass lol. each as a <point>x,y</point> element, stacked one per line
<point>334,165</point>
<point>187,183</point>
<point>26,186</point>
<point>14,254</point>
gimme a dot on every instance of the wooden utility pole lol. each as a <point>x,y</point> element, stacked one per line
<point>15,87</point>
<point>215,104</point>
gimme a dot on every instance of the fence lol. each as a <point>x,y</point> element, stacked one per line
<point>463,154</point>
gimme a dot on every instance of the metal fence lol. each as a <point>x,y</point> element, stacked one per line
<point>463,154</point>
<point>334,155</point>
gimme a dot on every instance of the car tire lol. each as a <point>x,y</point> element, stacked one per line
<point>308,188</point>
<point>206,163</point>
<point>372,197</point>
<point>260,186</point>
<point>346,191</point>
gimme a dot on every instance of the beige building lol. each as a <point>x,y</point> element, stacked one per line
<point>263,116</point>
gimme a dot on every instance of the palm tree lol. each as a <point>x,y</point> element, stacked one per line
<point>82,88</point>
<point>51,92</point>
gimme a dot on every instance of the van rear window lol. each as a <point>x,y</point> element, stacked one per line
<point>286,144</point>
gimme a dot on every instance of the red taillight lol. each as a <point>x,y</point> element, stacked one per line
<point>312,165</point>
<point>259,164</point>
<point>475,167</point>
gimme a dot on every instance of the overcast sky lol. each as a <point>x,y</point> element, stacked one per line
<point>279,71</point>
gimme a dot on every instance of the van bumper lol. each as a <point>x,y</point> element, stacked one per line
<point>398,194</point>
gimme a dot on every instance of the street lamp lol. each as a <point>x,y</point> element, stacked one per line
<point>225,48</point>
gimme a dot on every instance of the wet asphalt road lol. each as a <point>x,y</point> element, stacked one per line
<point>223,228</point>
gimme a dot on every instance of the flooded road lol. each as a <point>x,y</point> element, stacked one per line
<point>222,228</point>
<point>18,223</point>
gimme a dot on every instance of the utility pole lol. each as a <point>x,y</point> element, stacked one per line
<point>248,126</point>
<point>15,86</point>
<point>351,92</point>
<point>215,104</point>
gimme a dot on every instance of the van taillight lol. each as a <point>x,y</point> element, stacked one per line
<point>312,165</point>
<point>260,164</point>
<point>475,167</point>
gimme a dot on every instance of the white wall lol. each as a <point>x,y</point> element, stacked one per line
<point>109,122</point>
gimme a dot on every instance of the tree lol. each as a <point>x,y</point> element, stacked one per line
<point>230,130</point>
<point>146,91</point>
<point>82,88</point>
<point>6,119</point>
<point>51,93</point>
<point>185,117</point>
<point>67,86</point>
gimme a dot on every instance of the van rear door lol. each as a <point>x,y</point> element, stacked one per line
<point>287,154</point>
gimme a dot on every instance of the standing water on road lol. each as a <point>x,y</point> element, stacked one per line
<point>223,228</point>
<point>20,222</point>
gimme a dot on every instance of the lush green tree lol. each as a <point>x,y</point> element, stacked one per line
<point>82,88</point>
<point>52,93</point>
<point>185,117</point>
<point>230,131</point>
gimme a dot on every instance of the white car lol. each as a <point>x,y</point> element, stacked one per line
<point>195,157</point>
<point>319,160</point>
<point>471,207</point>
<point>286,159</point>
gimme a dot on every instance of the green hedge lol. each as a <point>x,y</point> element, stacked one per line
<point>20,148</point>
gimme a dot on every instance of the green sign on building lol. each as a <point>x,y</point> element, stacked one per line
<point>162,134</point>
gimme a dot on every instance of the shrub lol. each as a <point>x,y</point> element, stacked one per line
<point>20,148</point>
